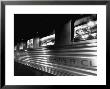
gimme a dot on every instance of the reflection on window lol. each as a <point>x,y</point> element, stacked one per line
<point>86,32</point>
<point>49,40</point>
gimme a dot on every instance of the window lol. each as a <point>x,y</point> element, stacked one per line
<point>86,31</point>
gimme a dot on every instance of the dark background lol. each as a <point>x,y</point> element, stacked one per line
<point>23,70</point>
<point>27,26</point>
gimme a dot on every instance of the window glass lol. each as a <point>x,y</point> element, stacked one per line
<point>86,31</point>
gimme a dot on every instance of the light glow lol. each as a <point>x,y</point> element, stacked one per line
<point>47,37</point>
